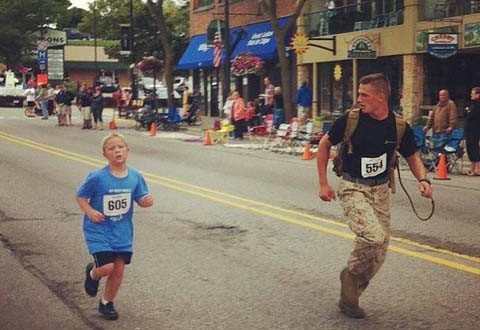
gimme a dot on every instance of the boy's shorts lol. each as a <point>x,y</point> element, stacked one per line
<point>108,257</point>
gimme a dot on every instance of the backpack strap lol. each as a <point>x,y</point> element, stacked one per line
<point>352,121</point>
<point>400,126</point>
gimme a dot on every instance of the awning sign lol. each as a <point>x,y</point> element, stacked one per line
<point>362,48</point>
<point>442,45</point>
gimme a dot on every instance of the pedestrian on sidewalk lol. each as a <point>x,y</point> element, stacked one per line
<point>364,189</point>
<point>304,99</point>
<point>238,114</point>
<point>106,197</point>
<point>472,132</point>
<point>97,108</point>
<point>86,105</point>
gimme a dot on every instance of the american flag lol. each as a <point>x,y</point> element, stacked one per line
<point>217,50</point>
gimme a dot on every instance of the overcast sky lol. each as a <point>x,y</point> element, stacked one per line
<point>80,3</point>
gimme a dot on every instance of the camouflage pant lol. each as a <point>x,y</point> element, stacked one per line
<point>368,216</point>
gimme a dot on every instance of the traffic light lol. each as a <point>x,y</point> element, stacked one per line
<point>125,39</point>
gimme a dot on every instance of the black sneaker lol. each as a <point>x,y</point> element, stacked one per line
<point>108,311</point>
<point>91,285</point>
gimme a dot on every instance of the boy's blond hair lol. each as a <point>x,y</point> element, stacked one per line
<point>111,136</point>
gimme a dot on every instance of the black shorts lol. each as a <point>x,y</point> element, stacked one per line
<point>31,104</point>
<point>108,257</point>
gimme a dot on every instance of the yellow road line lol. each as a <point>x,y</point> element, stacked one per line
<point>252,206</point>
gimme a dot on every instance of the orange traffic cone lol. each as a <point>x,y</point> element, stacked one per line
<point>208,139</point>
<point>112,124</point>
<point>153,129</point>
<point>442,168</point>
<point>307,154</point>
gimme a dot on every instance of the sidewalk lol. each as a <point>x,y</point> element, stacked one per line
<point>27,302</point>
<point>257,143</point>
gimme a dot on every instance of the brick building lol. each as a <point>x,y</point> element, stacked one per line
<point>250,32</point>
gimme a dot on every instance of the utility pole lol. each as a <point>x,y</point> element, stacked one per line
<point>133,84</point>
<point>228,52</point>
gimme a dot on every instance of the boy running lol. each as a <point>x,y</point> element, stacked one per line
<point>106,197</point>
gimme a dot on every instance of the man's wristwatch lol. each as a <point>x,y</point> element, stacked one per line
<point>425,180</point>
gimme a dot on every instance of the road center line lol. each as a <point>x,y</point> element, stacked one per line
<point>266,210</point>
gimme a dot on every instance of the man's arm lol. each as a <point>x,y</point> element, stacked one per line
<point>429,123</point>
<point>416,167</point>
<point>326,192</point>
<point>452,116</point>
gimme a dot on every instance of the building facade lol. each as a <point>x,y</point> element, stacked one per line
<point>250,32</point>
<point>422,45</point>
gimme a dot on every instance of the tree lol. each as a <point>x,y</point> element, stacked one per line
<point>161,9</point>
<point>270,8</point>
<point>19,19</point>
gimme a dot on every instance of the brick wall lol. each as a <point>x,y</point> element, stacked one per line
<point>200,18</point>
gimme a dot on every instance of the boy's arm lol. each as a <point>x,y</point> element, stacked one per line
<point>145,201</point>
<point>90,212</point>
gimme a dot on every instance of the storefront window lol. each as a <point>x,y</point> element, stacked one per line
<point>336,92</point>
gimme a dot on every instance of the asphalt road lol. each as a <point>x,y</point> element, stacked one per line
<point>237,239</point>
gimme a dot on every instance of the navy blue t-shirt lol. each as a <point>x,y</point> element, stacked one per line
<point>373,144</point>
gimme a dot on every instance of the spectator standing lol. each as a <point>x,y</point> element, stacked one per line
<point>43,98</point>
<point>269,92</point>
<point>30,97</point>
<point>443,117</point>
<point>86,104</point>
<point>107,198</point>
<point>304,99</point>
<point>63,99</point>
<point>187,100</point>
<point>97,108</point>
<point>238,114</point>
<point>364,188</point>
<point>117,99</point>
<point>227,108</point>
<point>279,114</point>
<point>472,132</point>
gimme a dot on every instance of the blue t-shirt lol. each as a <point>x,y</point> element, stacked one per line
<point>113,197</point>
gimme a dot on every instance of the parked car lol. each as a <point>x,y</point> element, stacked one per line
<point>107,84</point>
<point>74,34</point>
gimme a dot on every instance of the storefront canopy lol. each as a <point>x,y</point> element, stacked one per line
<point>197,55</point>
<point>259,40</point>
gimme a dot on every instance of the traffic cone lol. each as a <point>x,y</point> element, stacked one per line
<point>208,139</point>
<point>307,154</point>
<point>442,168</point>
<point>112,124</point>
<point>153,129</point>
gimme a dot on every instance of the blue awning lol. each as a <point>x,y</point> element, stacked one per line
<point>259,40</point>
<point>197,55</point>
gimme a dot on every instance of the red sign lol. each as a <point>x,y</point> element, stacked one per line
<point>42,79</point>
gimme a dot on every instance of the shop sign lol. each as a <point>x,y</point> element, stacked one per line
<point>472,35</point>
<point>362,48</point>
<point>442,45</point>
<point>260,38</point>
<point>52,37</point>
<point>299,43</point>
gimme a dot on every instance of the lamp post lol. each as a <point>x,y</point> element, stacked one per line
<point>133,84</point>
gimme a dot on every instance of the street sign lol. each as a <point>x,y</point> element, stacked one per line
<point>42,57</point>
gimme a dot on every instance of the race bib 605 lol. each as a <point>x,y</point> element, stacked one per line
<point>373,166</point>
<point>115,205</point>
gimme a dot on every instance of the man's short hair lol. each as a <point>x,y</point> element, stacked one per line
<point>379,80</point>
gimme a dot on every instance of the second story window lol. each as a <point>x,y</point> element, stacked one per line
<point>203,3</point>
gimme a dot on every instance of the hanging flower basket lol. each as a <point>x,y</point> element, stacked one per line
<point>244,64</point>
<point>149,65</point>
